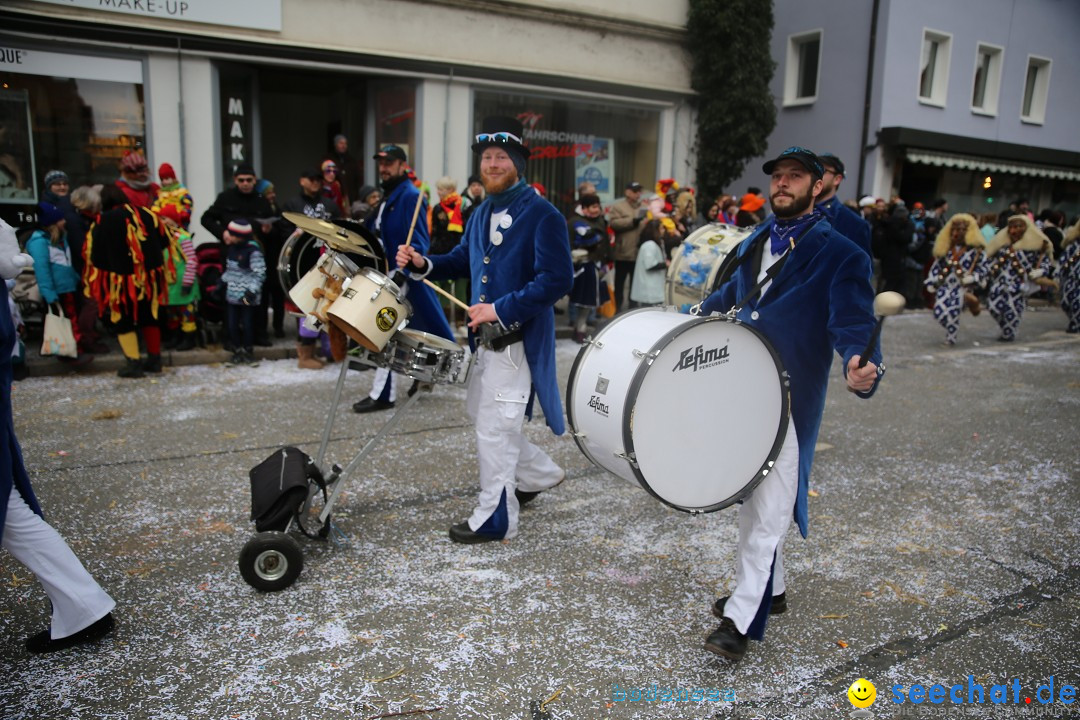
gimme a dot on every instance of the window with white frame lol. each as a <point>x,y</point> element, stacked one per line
<point>934,67</point>
<point>1036,90</point>
<point>987,83</point>
<point>803,68</point>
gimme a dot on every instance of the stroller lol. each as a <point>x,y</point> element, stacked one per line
<point>209,267</point>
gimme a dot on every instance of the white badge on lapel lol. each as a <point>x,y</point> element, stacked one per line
<point>496,238</point>
<point>505,222</point>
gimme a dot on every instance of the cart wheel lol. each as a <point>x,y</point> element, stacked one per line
<point>271,561</point>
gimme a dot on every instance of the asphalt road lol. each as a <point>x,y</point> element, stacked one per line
<point>943,549</point>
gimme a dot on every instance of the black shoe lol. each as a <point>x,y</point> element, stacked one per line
<point>131,369</point>
<point>461,533</point>
<point>263,341</point>
<point>524,497</point>
<point>368,405</point>
<point>414,388</point>
<point>152,364</point>
<point>779,605</point>
<point>237,358</point>
<point>187,342</point>
<point>250,360</point>
<point>42,643</point>
<point>727,641</point>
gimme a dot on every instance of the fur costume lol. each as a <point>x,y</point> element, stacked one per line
<point>1069,274</point>
<point>1014,271</point>
<point>954,272</point>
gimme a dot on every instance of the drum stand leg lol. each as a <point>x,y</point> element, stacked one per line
<point>340,475</point>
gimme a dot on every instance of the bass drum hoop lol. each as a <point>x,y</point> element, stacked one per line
<point>631,403</point>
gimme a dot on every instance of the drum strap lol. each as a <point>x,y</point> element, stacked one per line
<point>771,273</point>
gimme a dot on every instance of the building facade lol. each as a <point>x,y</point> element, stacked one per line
<point>205,85</point>
<point>972,101</point>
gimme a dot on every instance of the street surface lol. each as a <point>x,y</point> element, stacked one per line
<point>944,543</point>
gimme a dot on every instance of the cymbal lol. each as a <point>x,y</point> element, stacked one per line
<point>338,238</point>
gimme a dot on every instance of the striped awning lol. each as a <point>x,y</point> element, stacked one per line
<point>967,162</point>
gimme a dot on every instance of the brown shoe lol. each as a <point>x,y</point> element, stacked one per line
<point>306,359</point>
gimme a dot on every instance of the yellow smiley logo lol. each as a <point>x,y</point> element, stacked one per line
<point>862,693</point>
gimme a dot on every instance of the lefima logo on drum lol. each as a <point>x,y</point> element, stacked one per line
<point>597,406</point>
<point>699,358</point>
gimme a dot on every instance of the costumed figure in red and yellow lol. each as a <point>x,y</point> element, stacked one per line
<point>127,273</point>
<point>173,192</point>
<point>957,268</point>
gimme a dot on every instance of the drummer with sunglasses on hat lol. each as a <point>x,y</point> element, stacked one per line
<point>819,301</point>
<point>516,253</point>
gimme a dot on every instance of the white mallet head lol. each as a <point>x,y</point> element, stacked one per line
<point>889,303</point>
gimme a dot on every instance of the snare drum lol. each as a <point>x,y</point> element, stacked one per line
<point>699,263</point>
<point>427,358</point>
<point>694,409</point>
<point>370,309</point>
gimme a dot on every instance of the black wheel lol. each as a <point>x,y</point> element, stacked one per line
<point>271,561</point>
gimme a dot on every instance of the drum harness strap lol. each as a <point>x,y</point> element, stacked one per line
<point>770,273</point>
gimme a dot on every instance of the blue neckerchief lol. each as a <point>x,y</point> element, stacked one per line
<point>781,230</point>
<point>501,201</point>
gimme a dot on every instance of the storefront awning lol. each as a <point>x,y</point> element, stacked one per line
<point>964,162</point>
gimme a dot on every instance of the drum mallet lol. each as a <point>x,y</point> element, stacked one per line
<point>399,275</point>
<point>446,295</point>
<point>885,304</point>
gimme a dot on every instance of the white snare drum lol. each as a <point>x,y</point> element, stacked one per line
<point>695,409</point>
<point>427,358</point>
<point>370,309</point>
<point>697,268</point>
<point>335,265</point>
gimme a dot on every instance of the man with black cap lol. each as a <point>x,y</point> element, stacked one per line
<point>815,298</point>
<point>516,252</point>
<point>626,216</point>
<point>238,202</point>
<point>843,219</point>
<point>391,223</point>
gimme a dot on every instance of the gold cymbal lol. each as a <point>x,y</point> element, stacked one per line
<point>336,237</point>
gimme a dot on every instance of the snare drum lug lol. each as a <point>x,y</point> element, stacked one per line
<point>375,295</point>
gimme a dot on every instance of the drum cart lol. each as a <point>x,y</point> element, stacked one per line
<point>273,560</point>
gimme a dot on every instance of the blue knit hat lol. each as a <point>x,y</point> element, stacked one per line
<point>48,214</point>
<point>55,176</point>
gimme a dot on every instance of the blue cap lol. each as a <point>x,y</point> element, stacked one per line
<point>800,155</point>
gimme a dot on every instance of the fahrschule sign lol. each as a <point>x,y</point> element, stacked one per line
<point>256,14</point>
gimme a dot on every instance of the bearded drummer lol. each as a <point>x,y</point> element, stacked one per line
<point>819,301</point>
<point>516,253</point>
<point>391,222</point>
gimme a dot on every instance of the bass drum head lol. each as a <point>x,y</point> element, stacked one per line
<point>706,418</point>
<point>298,255</point>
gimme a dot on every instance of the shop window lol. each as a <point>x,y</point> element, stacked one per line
<point>395,116</point>
<point>934,67</point>
<point>1036,90</point>
<point>984,94</point>
<point>573,141</point>
<point>803,68</point>
<point>80,126</point>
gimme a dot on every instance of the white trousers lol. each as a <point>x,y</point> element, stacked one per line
<point>498,392</point>
<point>77,600</point>
<point>764,518</point>
<point>378,385</point>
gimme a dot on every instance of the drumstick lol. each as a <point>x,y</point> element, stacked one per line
<point>416,214</point>
<point>445,294</point>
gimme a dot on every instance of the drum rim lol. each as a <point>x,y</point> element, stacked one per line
<point>774,452</point>
<point>586,348</point>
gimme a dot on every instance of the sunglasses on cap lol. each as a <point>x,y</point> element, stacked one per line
<point>499,137</point>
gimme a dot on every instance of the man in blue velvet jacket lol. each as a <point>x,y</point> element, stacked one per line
<point>515,251</point>
<point>844,220</point>
<point>820,301</point>
<point>391,222</point>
